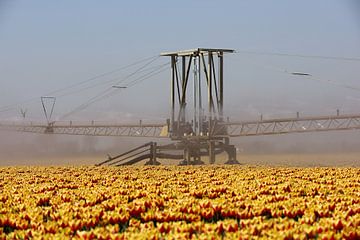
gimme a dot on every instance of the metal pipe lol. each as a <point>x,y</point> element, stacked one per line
<point>172,97</point>
<point>221,85</point>
<point>184,83</point>
<point>200,97</point>
<point>195,96</point>
<point>210,106</point>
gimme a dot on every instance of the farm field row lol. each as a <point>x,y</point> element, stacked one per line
<point>202,202</point>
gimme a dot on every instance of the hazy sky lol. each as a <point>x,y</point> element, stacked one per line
<point>47,45</point>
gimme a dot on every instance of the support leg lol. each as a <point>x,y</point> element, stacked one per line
<point>186,157</point>
<point>195,153</point>
<point>231,151</point>
<point>211,152</point>
<point>153,157</point>
<point>191,154</point>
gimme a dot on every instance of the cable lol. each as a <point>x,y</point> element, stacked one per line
<point>267,66</point>
<point>104,74</point>
<point>88,103</point>
<point>148,75</point>
<point>94,99</point>
<point>299,55</point>
<point>333,83</point>
<point>110,94</point>
<point>306,76</point>
<point>137,71</point>
<point>11,106</point>
<point>109,91</point>
<point>109,81</point>
<point>103,96</point>
<point>151,75</point>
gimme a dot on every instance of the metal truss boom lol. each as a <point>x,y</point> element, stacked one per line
<point>220,129</point>
<point>143,130</point>
<point>288,125</point>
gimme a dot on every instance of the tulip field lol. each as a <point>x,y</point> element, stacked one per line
<point>172,202</point>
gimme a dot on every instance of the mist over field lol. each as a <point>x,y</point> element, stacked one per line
<point>37,149</point>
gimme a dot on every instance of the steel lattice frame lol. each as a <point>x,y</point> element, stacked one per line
<point>149,130</point>
<point>288,125</point>
<point>230,129</point>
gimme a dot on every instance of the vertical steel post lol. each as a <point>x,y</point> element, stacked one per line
<point>200,98</point>
<point>172,100</point>
<point>221,85</point>
<point>211,152</point>
<point>183,77</point>
<point>153,152</point>
<point>210,98</point>
<point>195,126</point>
